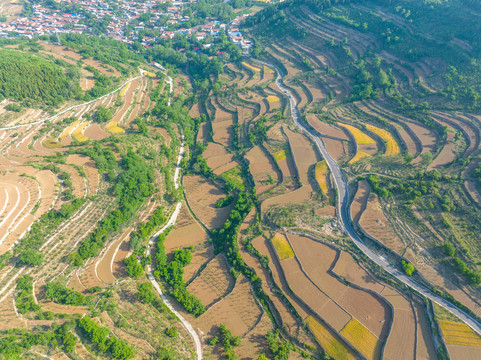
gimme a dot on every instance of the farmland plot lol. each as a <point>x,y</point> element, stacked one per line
<point>238,311</point>
<point>263,169</point>
<point>213,283</point>
<point>203,197</point>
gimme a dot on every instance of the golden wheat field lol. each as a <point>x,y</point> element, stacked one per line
<point>66,132</point>
<point>51,143</point>
<point>459,334</point>
<point>282,246</point>
<point>124,90</point>
<point>78,135</point>
<point>272,99</point>
<point>392,147</point>
<point>321,175</point>
<point>362,339</point>
<point>329,342</point>
<point>281,155</point>
<point>113,128</point>
<point>360,137</point>
<point>249,66</point>
<point>359,155</point>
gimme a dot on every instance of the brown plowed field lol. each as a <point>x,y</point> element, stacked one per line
<point>218,159</point>
<point>9,317</point>
<point>425,348</point>
<point>238,311</point>
<point>325,128</point>
<point>186,233</point>
<point>316,260</point>
<point>89,276</point>
<point>95,132</point>
<point>254,342</point>
<point>334,147</point>
<point>312,296</point>
<point>74,283</point>
<point>459,352</point>
<point>203,197</point>
<point>213,283</point>
<point>374,222</point>
<point>288,320</point>
<point>106,263</point>
<point>297,196</point>
<point>203,134</point>
<point>426,136</point>
<point>401,342</point>
<point>199,258</point>
<point>261,167</point>
<point>195,110</point>
<point>222,132</point>
<point>127,99</point>
<point>359,203</point>
<point>304,155</point>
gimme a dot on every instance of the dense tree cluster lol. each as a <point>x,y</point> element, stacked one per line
<point>173,273</point>
<point>24,300</point>
<point>31,79</point>
<point>228,341</point>
<point>60,294</point>
<point>145,230</point>
<point>103,339</point>
<point>411,188</point>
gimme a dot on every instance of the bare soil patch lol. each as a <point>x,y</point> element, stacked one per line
<point>238,311</point>
<point>263,169</point>
<point>213,283</point>
<point>325,128</point>
<point>316,260</point>
<point>203,197</point>
<point>304,155</point>
<point>374,222</point>
<point>95,132</point>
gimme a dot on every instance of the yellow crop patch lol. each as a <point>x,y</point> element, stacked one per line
<point>282,246</point>
<point>249,66</point>
<point>124,90</point>
<point>281,155</point>
<point>268,70</point>
<point>392,147</point>
<point>321,175</point>
<point>272,99</point>
<point>66,132</point>
<point>78,132</point>
<point>51,143</point>
<point>113,128</point>
<point>150,74</point>
<point>459,334</point>
<point>362,339</point>
<point>360,137</point>
<point>329,341</point>
<point>359,155</point>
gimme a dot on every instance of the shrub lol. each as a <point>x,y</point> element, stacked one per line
<point>407,267</point>
<point>171,332</point>
<point>449,249</point>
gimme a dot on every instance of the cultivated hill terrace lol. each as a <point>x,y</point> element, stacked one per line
<point>240,180</point>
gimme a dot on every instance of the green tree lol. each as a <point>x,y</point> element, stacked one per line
<point>31,257</point>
